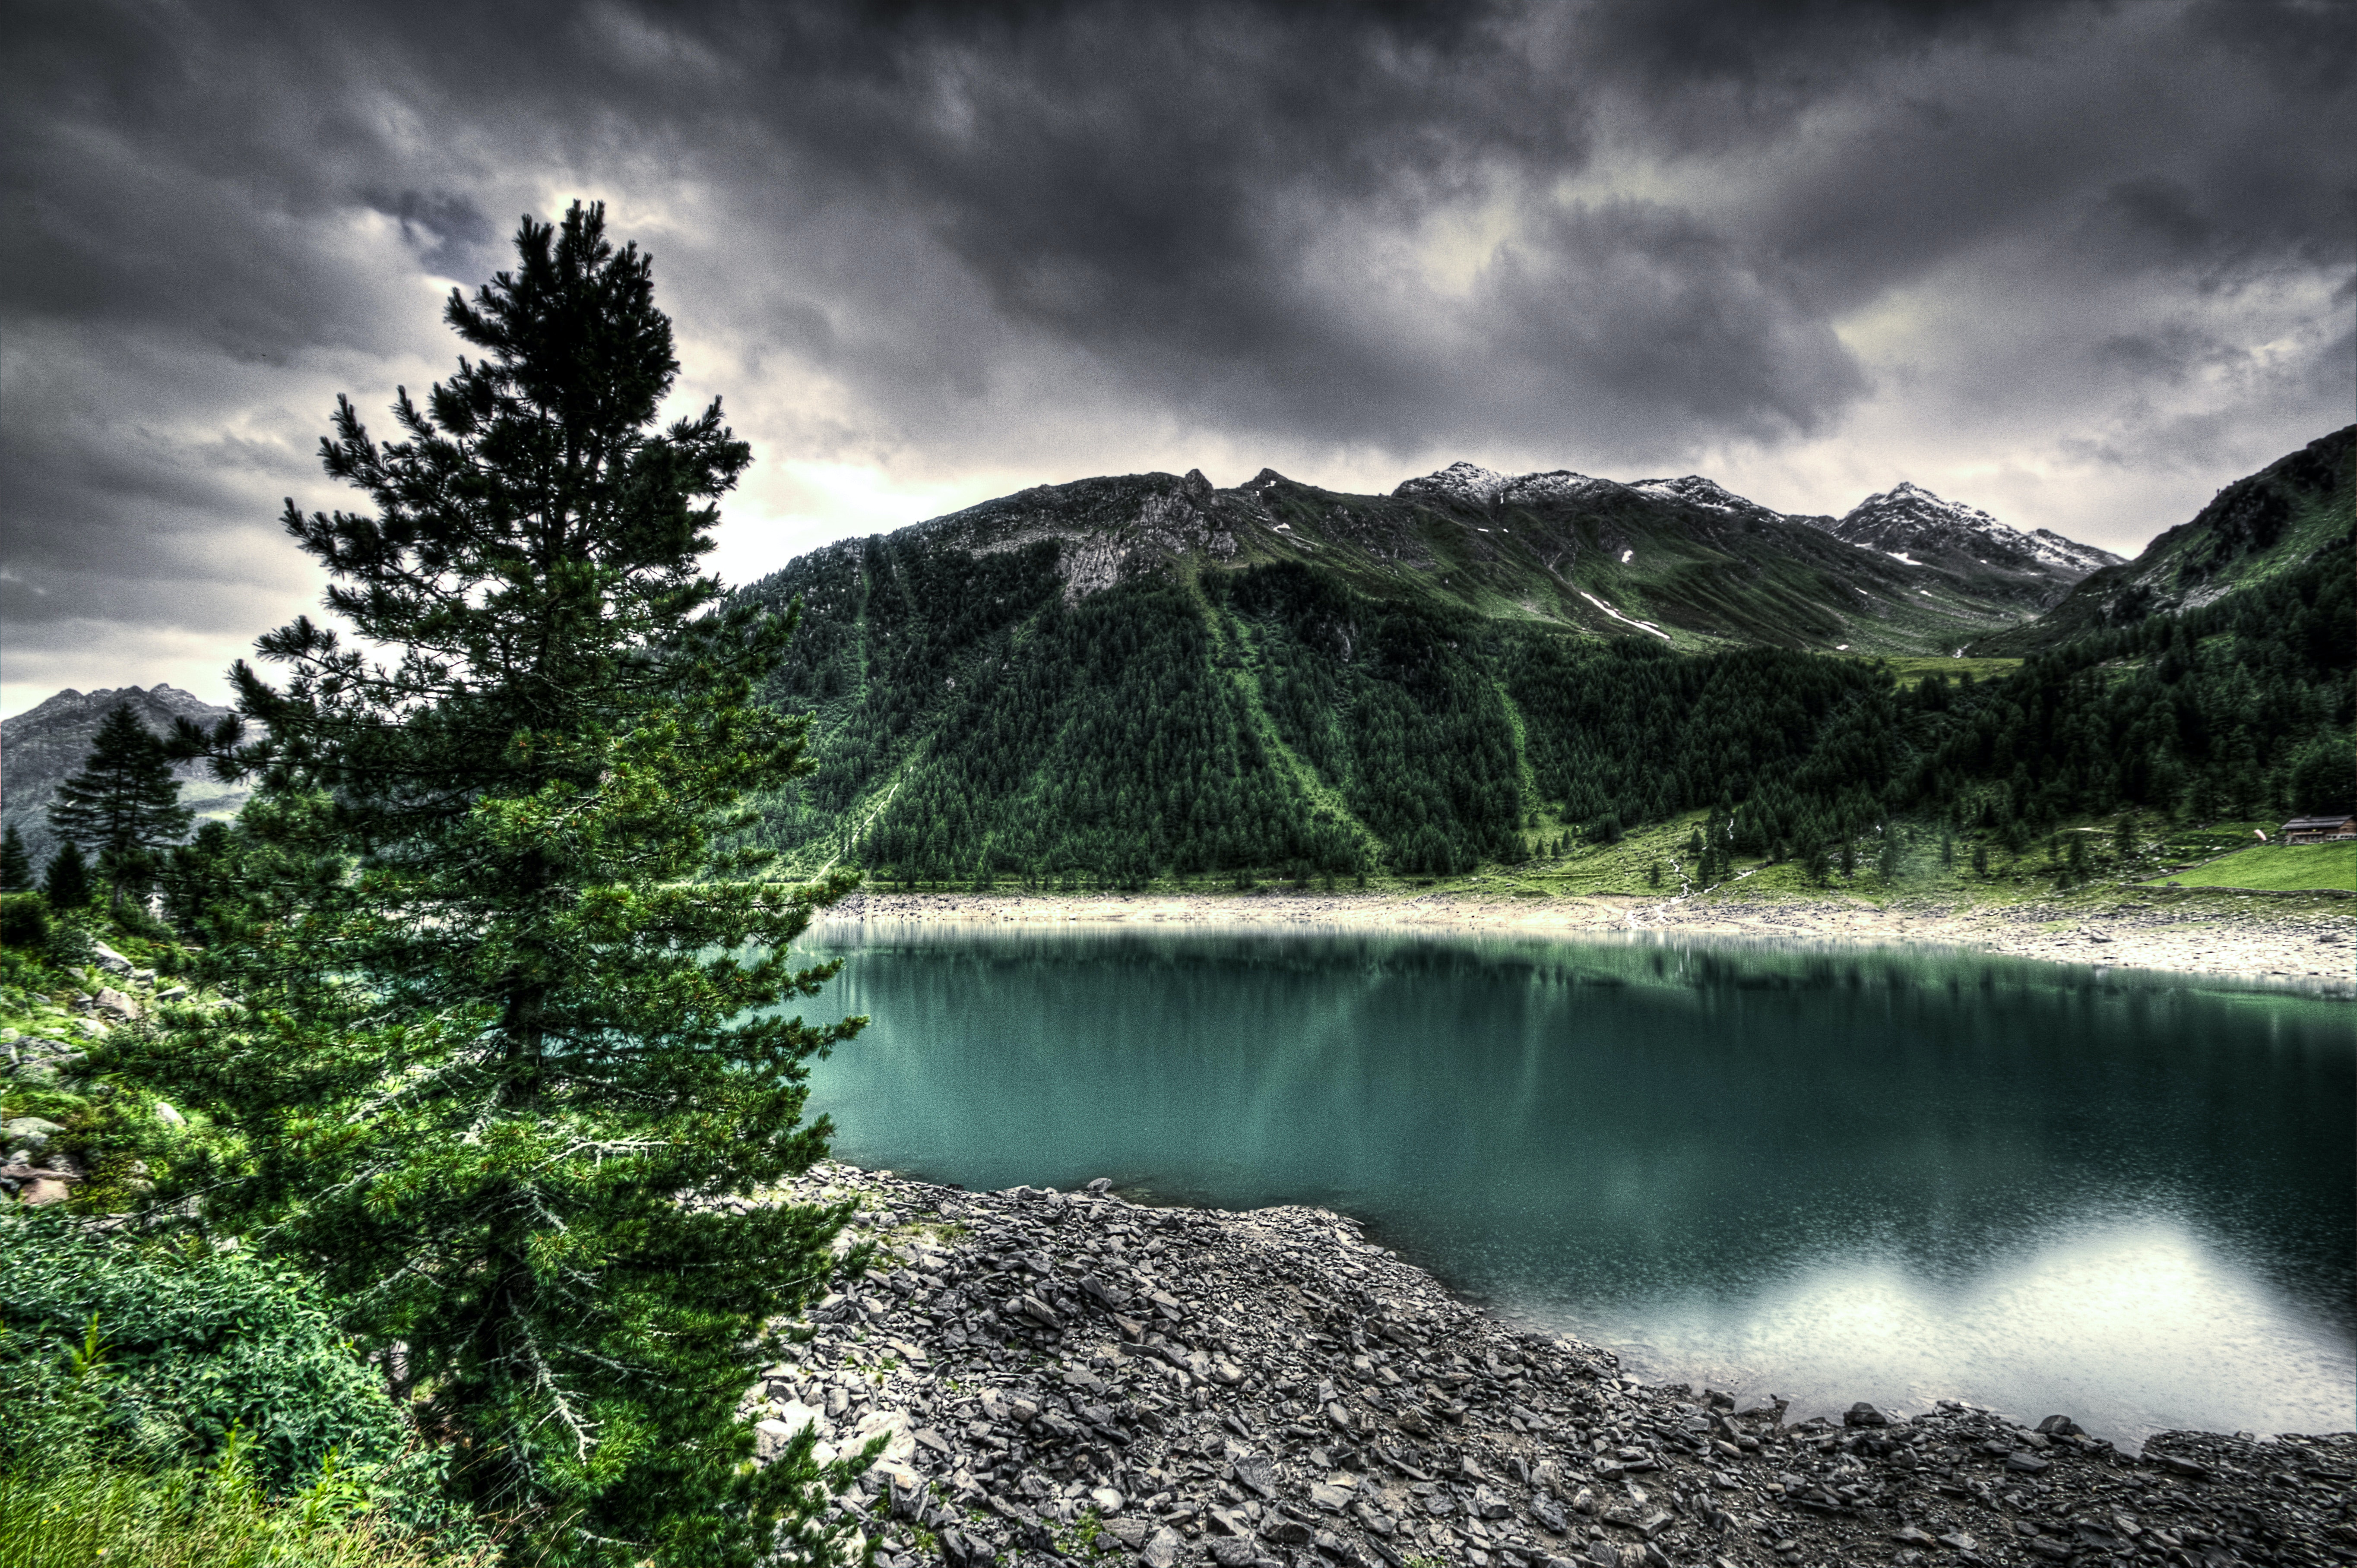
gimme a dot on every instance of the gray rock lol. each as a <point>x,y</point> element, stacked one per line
<point>1161,1548</point>
<point>1285,1530</point>
<point>1256,1471</point>
<point>106,959</point>
<point>113,1001</point>
<point>1864,1414</point>
<point>30,1133</point>
<point>1333,1500</point>
<point>1233,1550</point>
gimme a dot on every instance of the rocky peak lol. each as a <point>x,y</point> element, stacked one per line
<point>1461,481</point>
<point>1911,523</point>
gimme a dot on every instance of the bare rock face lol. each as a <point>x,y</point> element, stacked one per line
<point>1085,1378</point>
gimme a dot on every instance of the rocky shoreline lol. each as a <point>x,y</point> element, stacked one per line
<point>2300,940</point>
<point>1073,1378</point>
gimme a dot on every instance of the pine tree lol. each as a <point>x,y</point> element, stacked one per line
<point>508,1029</point>
<point>124,801</point>
<point>66,884</point>
<point>15,864</point>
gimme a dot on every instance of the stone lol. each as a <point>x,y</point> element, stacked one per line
<point>29,1133</point>
<point>2059,1426</point>
<point>1100,1187</point>
<point>106,959</point>
<point>1161,1548</point>
<point>2028,1464</point>
<point>1909,1536</point>
<point>113,1001</point>
<point>1333,1500</point>
<point>1864,1414</point>
<point>1285,1530</point>
<point>1234,1552</point>
<point>1957,1541</point>
<point>771,1438</point>
<point>1550,1516</point>
<point>1256,1471</point>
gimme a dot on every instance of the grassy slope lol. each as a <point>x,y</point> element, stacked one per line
<point>2278,868</point>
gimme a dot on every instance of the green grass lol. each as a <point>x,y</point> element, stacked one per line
<point>72,1511</point>
<point>2282,868</point>
<point>1911,669</point>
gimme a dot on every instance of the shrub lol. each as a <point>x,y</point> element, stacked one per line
<point>24,920</point>
<point>189,1348</point>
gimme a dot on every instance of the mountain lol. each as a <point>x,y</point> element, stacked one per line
<point>1146,672</point>
<point>42,747</point>
<point>1946,539</point>
<point>2295,511</point>
<point>1683,561</point>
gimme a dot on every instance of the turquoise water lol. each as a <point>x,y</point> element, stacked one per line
<point>1833,1176</point>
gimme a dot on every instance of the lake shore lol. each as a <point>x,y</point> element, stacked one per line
<point>1061,1378</point>
<point>2304,940</point>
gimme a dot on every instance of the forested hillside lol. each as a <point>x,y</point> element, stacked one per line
<point>1120,694</point>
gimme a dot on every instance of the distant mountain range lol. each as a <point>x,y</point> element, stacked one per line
<point>1149,668</point>
<point>1682,559</point>
<point>1146,672</point>
<point>42,747</point>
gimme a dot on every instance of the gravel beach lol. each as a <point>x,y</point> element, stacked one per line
<point>1071,1378</point>
<point>2307,941</point>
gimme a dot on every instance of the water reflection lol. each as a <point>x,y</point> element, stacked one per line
<point>1831,1174</point>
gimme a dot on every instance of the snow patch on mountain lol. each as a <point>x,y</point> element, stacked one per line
<point>1483,486</point>
<point>1459,481</point>
<point>1908,521</point>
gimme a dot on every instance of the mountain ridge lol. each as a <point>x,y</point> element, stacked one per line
<point>48,744</point>
<point>2296,511</point>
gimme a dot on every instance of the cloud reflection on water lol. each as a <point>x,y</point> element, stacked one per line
<point>2128,1326</point>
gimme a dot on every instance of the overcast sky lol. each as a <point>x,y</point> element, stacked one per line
<point>2079,264</point>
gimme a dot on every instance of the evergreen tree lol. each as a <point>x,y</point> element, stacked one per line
<point>15,866</point>
<point>66,884</point>
<point>508,1028</point>
<point>124,801</point>
<point>1886,862</point>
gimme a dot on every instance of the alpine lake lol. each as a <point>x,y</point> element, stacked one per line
<point>1868,1173</point>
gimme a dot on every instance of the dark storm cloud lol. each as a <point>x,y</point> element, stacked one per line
<point>1603,231</point>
